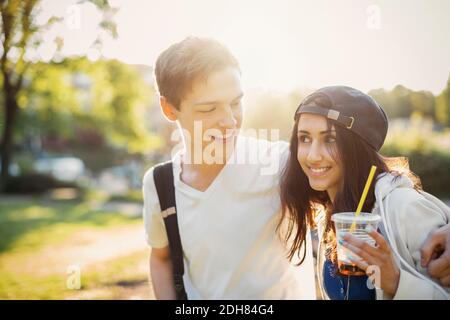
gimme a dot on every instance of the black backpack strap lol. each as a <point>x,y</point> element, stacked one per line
<point>163,177</point>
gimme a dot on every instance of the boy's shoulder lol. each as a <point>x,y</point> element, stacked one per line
<point>150,194</point>
<point>256,148</point>
<point>147,180</point>
<point>258,164</point>
<point>148,186</point>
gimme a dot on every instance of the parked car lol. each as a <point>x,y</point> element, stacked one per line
<point>68,169</point>
<point>14,169</point>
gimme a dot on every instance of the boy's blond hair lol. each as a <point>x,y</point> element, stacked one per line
<point>184,62</point>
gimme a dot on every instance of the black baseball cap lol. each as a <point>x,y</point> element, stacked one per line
<point>351,109</point>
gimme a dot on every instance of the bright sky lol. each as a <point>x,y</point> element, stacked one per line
<point>284,44</point>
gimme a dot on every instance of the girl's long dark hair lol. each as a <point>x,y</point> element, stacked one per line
<point>300,202</point>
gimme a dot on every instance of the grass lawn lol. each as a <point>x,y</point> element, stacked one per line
<point>40,238</point>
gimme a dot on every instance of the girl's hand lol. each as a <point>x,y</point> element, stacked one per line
<point>380,256</point>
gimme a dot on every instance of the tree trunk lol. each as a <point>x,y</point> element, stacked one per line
<point>11,109</point>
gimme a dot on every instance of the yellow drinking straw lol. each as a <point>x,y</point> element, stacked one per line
<point>364,195</point>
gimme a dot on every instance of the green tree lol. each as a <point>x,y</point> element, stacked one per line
<point>261,106</point>
<point>106,98</point>
<point>400,99</point>
<point>423,102</point>
<point>401,102</point>
<point>443,106</point>
<point>122,110</point>
<point>19,33</point>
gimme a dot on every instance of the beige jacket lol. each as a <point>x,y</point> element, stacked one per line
<point>408,216</point>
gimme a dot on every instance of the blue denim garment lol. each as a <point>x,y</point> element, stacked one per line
<point>335,284</point>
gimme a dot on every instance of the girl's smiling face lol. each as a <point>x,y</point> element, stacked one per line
<point>316,147</point>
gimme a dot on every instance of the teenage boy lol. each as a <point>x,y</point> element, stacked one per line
<point>227,199</point>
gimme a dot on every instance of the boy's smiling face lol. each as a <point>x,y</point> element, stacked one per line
<point>215,105</point>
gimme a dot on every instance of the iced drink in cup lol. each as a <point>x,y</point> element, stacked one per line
<point>343,221</point>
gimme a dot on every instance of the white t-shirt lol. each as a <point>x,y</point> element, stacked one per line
<point>230,245</point>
